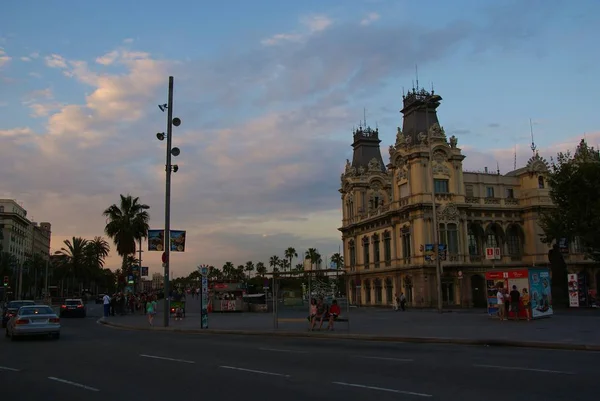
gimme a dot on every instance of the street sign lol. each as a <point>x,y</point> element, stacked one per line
<point>204,271</point>
<point>492,253</point>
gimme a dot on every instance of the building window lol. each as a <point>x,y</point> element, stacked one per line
<point>387,248</point>
<point>352,251</point>
<point>489,192</point>
<point>469,191</point>
<point>389,288</point>
<point>367,292</point>
<point>449,237</point>
<point>440,186</point>
<point>406,244</point>
<point>363,201</point>
<point>510,193</point>
<point>541,182</point>
<point>404,191</point>
<point>376,254</point>
<point>513,241</point>
<point>1,209</point>
<point>378,291</point>
<point>365,243</point>
<point>474,248</point>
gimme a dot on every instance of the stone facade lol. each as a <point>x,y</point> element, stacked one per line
<point>387,215</point>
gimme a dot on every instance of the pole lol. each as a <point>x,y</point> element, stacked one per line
<point>167,236</point>
<point>140,266</point>
<point>46,278</point>
<point>436,236</point>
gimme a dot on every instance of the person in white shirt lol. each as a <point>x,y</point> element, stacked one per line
<point>106,302</point>
<point>500,301</point>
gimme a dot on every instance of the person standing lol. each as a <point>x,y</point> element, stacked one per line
<point>402,302</point>
<point>106,304</point>
<point>151,309</point>
<point>500,303</point>
<point>515,298</point>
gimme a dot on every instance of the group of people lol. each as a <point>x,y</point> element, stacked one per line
<point>400,302</point>
<point>121,304</point>
<point>320,312</point>
<point>513,301</point>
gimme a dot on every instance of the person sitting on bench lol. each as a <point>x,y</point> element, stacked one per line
<point>320,315</point>
<point>334,313</point>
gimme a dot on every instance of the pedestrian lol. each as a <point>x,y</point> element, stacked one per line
<point>515,298</point>
<point>396,302</point>
<point>402,302</point>
<point>500,303</point>
<point>106,304</point>
<point>151,311</point>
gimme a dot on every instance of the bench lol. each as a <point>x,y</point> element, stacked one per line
<point>340,319</point>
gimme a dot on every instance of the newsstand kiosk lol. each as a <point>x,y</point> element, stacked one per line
<point>534,285</point>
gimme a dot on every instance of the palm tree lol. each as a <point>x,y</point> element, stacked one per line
<point>261,269</point>
<point>228,270</point>
<point>314,256</point>
<point>97,250</point>
<point>126,224</point>
<point>74,264</point>
<point>290,254</point>
<point>274,262</point>
<point>249,268</point>
<point>338,260</point>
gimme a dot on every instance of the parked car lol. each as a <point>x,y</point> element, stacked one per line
<point>11,309</point>
<point>34,320</point>
<point>73,307</point>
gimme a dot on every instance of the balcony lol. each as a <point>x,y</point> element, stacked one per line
<point>491,201</point>
<point>511,202</point>
<point>444,197</point>
<point>472,200</point>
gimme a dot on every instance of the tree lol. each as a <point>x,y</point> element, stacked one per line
<point>338,260</point>
<point>249,268</point>
<point>314,256</point>
<point>575,192</point>
<point>74,262</point>
<point>126,224</point>
<point>261,269</point>
<point>274,262</point>
<point>290,254</point>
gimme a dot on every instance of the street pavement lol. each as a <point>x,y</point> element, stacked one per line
<point>565,327</point>
<point>96,362</point>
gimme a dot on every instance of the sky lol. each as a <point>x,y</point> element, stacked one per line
<point>268,93</point>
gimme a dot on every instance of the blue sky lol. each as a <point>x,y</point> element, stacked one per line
<point>268,92</point>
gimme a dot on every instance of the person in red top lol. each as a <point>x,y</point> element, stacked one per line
<point>334,313</point>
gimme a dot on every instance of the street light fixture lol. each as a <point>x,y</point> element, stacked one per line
<point>169,168</point>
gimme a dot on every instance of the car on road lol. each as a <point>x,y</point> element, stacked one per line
<point>11,309</point>
<point>33,320</point>
<point>73,307</point>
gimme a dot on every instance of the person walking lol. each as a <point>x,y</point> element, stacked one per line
<point>106,304</point>
<point>151,309</point>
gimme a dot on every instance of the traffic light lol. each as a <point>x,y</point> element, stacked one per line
<point>6,281</point>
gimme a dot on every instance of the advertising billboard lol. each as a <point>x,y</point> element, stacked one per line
<point>541,293</point>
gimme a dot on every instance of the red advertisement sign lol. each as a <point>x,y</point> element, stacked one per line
<point>497,274</point>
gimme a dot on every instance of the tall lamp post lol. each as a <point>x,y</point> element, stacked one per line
<point>168,168</point>
<point>436,236</point>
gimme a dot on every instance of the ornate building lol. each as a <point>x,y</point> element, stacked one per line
<point>387,215</point>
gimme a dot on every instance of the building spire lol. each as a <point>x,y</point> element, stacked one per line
<point>533,147</point>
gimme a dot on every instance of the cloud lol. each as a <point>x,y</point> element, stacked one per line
<point>263,140</point>
<point>4,58</point>
<point>26,59</point>
<point>311,25</point>
<point>128,40</point>
<point>369,19</point>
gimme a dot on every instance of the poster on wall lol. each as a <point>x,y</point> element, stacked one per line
<point>177,240</point>
<point>541,293</point>
<point>573,286</point>
<point>156,240</point>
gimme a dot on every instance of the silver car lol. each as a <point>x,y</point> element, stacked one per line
<point>36,320</point>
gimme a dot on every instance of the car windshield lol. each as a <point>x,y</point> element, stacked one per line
<point>18,304</point>
<point>73,302</point>
<point>40,310</point>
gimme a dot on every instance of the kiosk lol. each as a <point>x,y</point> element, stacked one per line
<point>534,284</point>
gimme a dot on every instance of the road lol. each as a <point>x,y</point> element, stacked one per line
<point>95,362</point>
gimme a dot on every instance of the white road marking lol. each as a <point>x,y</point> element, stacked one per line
<point>254,371</point>
<point>83,386</point>
<point>9,369</point>
<point>388,390</point>
<point>166,359</point>
<point>381,358</point>
<point>525,369</point>
<point>291,351</point>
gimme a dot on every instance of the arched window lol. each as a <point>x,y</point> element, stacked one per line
<point>474,240</point>
<point>389,288</point>
<point>352,252</point>
<point>541,182</point>
<point>366,253</point>
<point>367,291</point>
<point>449,237</point>
<point>387,248</point>
<point>513,241</point>
<point>376,251</point>
<point>378,291</point>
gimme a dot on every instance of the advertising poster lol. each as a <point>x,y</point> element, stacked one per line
<point>144,271</point>
<point>204,307</point>
<point>541,295</point>
<point>520,279</point>
<point>573,286</point>
<point>177,240</point>
<point>494,280</point>
<point>156,240</point>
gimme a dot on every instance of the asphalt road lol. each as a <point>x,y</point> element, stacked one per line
<point>94,362</point>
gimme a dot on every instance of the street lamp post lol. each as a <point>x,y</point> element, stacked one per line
<point>168,168</point>
<point>436,235</point>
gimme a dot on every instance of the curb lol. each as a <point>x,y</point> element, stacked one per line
<point>366,337</point>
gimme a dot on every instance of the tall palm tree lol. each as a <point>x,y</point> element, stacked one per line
<point>249,268</point>
<point>314,256</point>
<point>290,254</point>
<point>274,262</point>
<point>126,224</point>
<point>97,250</point>
<point>261,269</point>
<point>228,270</point>
<point>74,264</point>
<point>338,260</point>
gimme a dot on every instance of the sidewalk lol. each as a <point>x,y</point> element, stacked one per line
<point>563,330</point>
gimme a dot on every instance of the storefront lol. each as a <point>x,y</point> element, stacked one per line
<point>227,297</point>
<point>533,284</point>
